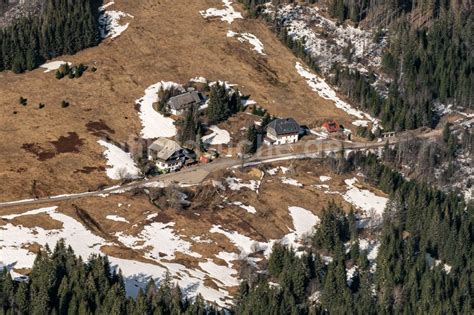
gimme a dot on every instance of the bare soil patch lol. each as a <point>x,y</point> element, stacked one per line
<point>99,128</point>
<point>68,144</point>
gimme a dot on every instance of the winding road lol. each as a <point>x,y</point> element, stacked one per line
<point>194,175</point>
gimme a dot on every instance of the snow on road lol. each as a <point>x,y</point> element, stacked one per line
<point>54,65</point>
<point>109,22</point>
<point>323,89</point>
<point>250,38</point>
<point>218,136</point>
<point>154,123</point>
<point>121,163</point>
<point>227,14</point>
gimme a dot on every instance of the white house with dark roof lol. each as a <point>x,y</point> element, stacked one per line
<point>167,154</point>
<point>177,105</point>
<point>282,131</point>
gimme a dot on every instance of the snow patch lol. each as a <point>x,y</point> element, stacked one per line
<point>324,178</point>
<point>372,205</point>
<point>218,136</point>
<point>224,274</point>
<point>158,240</point>
<point>323,89</point>
<point>249,208</point>
<point>274,171</point>
<point>290,181</point>
<point>250,38</point>
<point>303,220</point>
<point>116,218</point>
<point>154,123</point>
<point>199,80</point>
<point>237,184</point>
<point>109,22</point>
<point>31,212</point>
<point>54,65</point>
<point>227,14</point>
<point>121,163</point>
<point>436,262</point>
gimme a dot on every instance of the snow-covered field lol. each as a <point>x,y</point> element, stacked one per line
<point>109,22</point>
<point>14,255</point>
<point>250,38</point>
<point>54,65</point>
<point>218,136</point>
<point>304,222</point>
<point>121,163</point>
<point>227,14</point>
<point>160,238</point>
<point>372,205</point>
<point>324,90</point>
<point>154,123</point>
<point>160,243</point>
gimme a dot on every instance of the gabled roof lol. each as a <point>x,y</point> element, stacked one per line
<point>331,126</point>
<point>164,148</point>
<point>185,100</point>
<point>284,126</point>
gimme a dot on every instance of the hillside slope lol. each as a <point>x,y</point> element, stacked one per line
<point>161,43</point>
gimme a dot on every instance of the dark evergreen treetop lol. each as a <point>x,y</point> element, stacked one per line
<point>64,27</point>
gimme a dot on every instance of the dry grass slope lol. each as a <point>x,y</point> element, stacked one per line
<point>167,40</point>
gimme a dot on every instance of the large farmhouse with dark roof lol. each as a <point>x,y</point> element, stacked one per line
<point>177,105</point>
<point>281,131</point>
<point>167,154</point>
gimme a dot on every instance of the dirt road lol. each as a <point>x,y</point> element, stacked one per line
<point>196,174</point>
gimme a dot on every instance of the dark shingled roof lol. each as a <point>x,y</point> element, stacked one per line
<point>284,126</point>
<point>185,100</point>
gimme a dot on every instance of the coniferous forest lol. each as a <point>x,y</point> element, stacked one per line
<point>63,27</point>
<point>428,57</point>
<point>61,283</point>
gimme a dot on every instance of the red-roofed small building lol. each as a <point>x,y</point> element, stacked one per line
<point>331,126</point>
